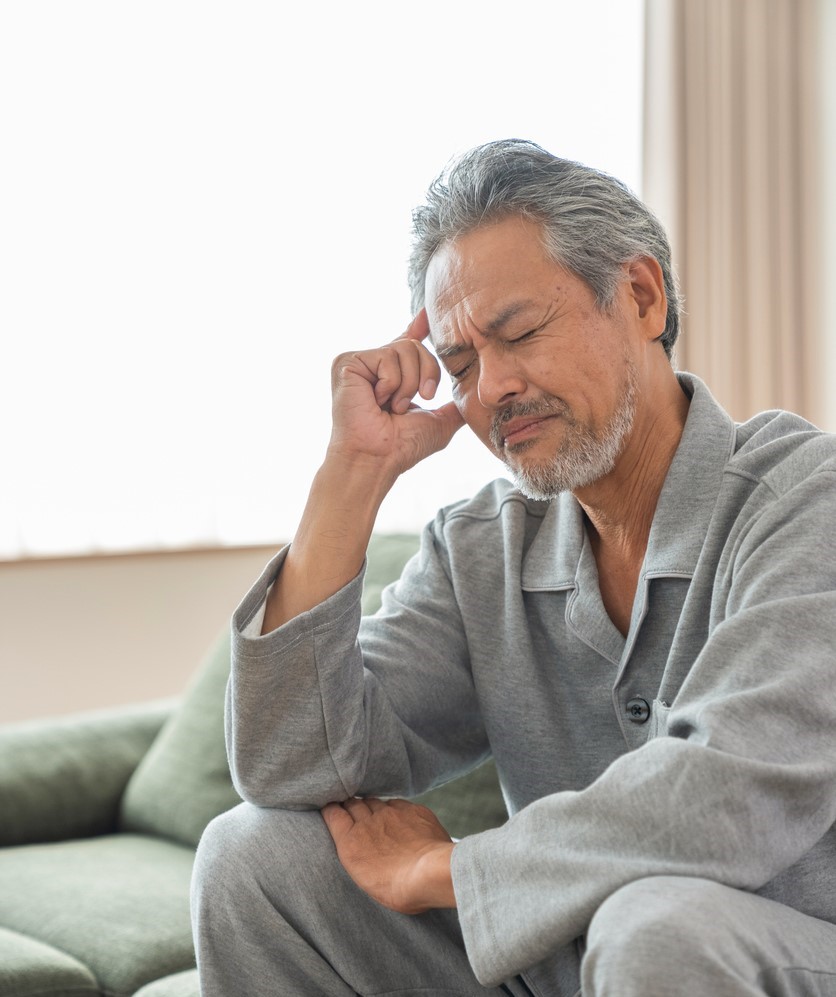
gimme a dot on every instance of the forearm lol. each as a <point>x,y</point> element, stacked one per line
<point>377,434</point>
<point>672,808</point>
<point>330,544</point>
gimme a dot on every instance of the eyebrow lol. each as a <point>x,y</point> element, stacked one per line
<point>511,311</point>
<point>496,324</point>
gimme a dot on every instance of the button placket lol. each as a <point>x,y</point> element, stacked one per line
<point>638,710</point>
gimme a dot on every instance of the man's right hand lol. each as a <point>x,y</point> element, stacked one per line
<point>377,434</point>
<point>374,418</point>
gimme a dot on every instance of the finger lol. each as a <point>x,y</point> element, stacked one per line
<point>420,372</point>
<point>419,327</point>
<point>430,373</point>
<point>397,372</point>
<point>393,374</point>
<point>357,809</point>
<point>336,819</point>
<point>401,382</point>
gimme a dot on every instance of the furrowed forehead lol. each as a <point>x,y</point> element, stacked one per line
<point>446,340</point>
<point>486,281</point>
<point>459,342</point>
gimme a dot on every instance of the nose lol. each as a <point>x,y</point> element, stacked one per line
<point>499,380</point>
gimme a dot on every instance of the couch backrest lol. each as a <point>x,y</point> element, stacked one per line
<point>183,781</point>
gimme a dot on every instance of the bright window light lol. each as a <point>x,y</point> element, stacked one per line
<point>202,203</point>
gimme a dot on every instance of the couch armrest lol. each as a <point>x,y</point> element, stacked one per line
<point>63,778</point>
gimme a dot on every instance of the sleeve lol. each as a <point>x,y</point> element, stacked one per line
<point>332,705</point>
<point>742,786</point>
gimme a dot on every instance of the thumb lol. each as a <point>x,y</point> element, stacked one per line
<point>449,421</point>
<point>418,328</point>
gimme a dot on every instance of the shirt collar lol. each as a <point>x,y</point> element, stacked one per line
<point>682,515</point>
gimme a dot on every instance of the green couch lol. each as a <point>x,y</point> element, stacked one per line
<point>99,818</point>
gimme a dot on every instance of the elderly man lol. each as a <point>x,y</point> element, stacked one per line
<point>642,634</point>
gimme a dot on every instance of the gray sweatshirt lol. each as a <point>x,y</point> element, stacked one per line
<point>703,744</point>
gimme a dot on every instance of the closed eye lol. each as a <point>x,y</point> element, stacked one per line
<point>458,375</point>
<point>524,336</point>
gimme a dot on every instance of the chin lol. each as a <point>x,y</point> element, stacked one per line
<point>563,473</point>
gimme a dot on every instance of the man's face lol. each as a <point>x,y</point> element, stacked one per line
<point>546,380</point>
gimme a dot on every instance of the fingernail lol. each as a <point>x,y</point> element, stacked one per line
<point>429,387</point>
<point>401,405</point>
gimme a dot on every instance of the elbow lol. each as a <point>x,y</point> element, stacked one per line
<point>274,787</point>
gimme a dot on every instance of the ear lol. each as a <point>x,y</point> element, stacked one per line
<point>647,295</point>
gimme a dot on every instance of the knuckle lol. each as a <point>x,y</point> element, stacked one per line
<point>340,362</point>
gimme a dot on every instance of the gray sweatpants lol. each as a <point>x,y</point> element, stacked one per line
<point>275,914</point>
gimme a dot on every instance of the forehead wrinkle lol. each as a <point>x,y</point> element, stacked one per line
<point>509,312</point>
<point>491,327</point>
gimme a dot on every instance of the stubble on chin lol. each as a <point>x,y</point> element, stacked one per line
<point>583,454</point>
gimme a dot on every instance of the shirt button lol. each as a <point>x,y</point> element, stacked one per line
<point>638,710</point>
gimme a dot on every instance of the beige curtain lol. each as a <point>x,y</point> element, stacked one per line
<point>731,163</point>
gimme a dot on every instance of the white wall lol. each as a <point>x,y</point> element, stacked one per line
<point>85,633</point>
<point>203,203</point>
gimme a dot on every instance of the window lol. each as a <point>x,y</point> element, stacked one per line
<point>201,204</point>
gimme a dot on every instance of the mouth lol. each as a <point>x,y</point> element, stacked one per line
<point>517,426</point>
<point>520,430</point>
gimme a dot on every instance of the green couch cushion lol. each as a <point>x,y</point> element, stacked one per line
<point>470,804</point>
<point>180,985</point>
<point>119,904</point>
<point>63,778</point>
<point>385,559</point>
<point>183,781</point>
<point>29,968</point>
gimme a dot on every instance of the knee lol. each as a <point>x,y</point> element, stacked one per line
<point>248,848</point>
<point>652,928</point>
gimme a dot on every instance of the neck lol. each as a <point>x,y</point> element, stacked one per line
<point>620,507</point>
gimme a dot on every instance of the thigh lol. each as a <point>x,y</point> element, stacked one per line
<point>268,885</point>
<point>696,936</point>
<point>793,954</point>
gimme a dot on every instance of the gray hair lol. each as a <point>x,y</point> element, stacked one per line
<point>592,223</point>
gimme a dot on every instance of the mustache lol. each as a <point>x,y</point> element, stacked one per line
<point>542,406</point>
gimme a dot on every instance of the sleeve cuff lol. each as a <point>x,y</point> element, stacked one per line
<point>248,618</point>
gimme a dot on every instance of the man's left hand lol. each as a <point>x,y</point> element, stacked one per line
<point>395,851</point>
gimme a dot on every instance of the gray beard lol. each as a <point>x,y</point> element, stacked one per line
<point>584,455</point>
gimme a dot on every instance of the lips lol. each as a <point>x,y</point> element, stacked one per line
<point>518,430</point>
<point>521,422</point>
